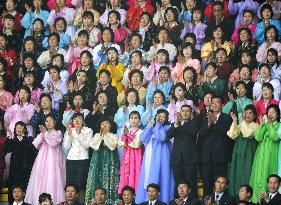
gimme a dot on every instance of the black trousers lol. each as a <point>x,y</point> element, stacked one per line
<point>209,172</point>
<point>186,172</point>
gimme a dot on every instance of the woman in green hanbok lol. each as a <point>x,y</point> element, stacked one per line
<point>237,105</point>
<point>104,166</point>
<point>244,148</point>
<point>266,158</point>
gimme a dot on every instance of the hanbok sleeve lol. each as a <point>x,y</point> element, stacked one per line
<point>159,132</point>
<point>146,134</point>
<point>277,89</point>
<point>26,21</point>
<point>233,8</point>
<point>235,37</point>
<point>273,131</point>
<point>257,90</point>
<point>53,139</point>
<point>38,141</point>
<point>261,53</point>
<point>120,117</point>
<point>259,33</point>
<point>259,134</point>
<point>145,116</point>
<point>172,109</point>
<point>67,115</point>
<point>96,141</point>
<point>227,108</point>
<point>111,141</point>
<point>233,131</point>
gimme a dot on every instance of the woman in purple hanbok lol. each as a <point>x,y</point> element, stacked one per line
<point>156,167</point>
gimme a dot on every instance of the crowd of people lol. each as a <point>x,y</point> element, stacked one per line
<point>111,101</point>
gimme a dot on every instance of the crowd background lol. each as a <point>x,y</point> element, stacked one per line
<point>109,94</point>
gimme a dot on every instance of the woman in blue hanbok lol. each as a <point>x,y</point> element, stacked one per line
<point>156,167</point>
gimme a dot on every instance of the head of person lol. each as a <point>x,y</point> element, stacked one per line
<point>71,192</point>
<point>208,99</point>
<point>248,17</point>
<point>132,97</point>
<point>273,183</point>
<point>45,199</point>
<point>273,113</point>
<point>107,35</point>
<point>107,125</point>
<point>153,191</point>
<point>266,12</point>
<point>211,70</point>
<point>240,88</point>
<point>100,196</point>
<point>18,193</point>
<point>164,74</point>
<point>163,116</point>
<point>216,103</point>
<point>218,9</point>
<point>267,91</point>
<point>46,101</point>
<point>245,192</point>
<point>190,38</point>
<point>20,129</point>
<point>183,189</point>
<point>250,113</point>
<point>54,39</point>
<point>135,40</point>
<point>104,77</point>
<point>221,184</point>
<point>158,98</point>
<point>78,120</point>
<point>145,19</point>
<point>271,33</point>
<point>134,119</point>
<point>186,112</point>
<point>128,194</point>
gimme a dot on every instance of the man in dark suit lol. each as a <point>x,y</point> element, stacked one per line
<point>18,195</point>
<point>71,195</point>
<point>245,194</point>
<point>226,24</point>
<point>185,156</point>
<point>217,146</point>
<point>128,196</point>
<point>184,195</point>
<point>220,196</point>
<point>153,191</point>
<point>273,197</point>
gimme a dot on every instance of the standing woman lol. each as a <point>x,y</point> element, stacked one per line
<point>48,172</point>
<point>266,158</point>
<point>244,148</point>
<point>77,140</point>
<point>104,166</point>
<point>22,111</point>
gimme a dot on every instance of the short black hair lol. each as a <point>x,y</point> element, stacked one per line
<point>128,188</point>
<point>218,3</point>
<point>266,6</point>
<point>183,181</point>
<point>275,176</point>
<point>71,185</point>
<point>249,189</point>
<point>61,19</point>
<point>100,188</point>
<point>223,176</point>
<point>18,186</point>
<point>44,196</point>
<point>155,186</point>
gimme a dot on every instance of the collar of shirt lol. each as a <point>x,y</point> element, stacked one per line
<point>185,199</point>
<point>213,80</point>
<point>20,203</point>
<point>152,202</point>
<point>220,194</point>
<point>218,115</point>
<point>272,195</point>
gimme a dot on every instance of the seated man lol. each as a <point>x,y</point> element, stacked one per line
<point>99,197</point>
<point>71,195</point>
<point>273,197</point>
<point>18,195</point>
<point>220,196</point>
<point>128,196</point>
<point>245,194</point>
<point>153,191</point>
<point>184,195</point>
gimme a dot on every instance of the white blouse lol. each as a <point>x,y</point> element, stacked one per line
<point>78,144</point>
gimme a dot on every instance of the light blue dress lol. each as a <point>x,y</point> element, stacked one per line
<point>156,167</point>
<point>259,33</point>
<point>28,19</point>
<point>150,113</point>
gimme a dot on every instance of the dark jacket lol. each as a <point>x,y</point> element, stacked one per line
<point>225,199</point>
<point>276,200</point>
<point>217,146</point>
<point>189,201</point>
<point>184,148</point>
<point>156,203</point>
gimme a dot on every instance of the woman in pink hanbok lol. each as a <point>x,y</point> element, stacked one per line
<point>6,98</point>
<point>132,155</point>
<point>73,54</point>
<point>48,172</point>
<point>23,111</point>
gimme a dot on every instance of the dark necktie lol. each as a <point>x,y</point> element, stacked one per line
<point>270,196</point>
<point>150,203</point>
<point>217,198</point>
